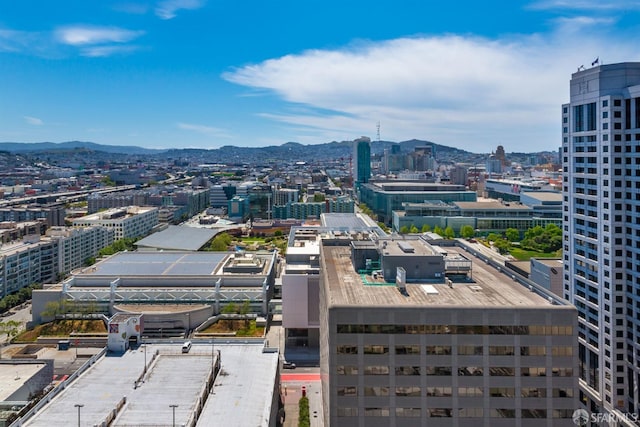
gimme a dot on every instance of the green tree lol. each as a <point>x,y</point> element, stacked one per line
<point>245,308</point>
<point>547,239</point>
<point>404,230</point>
<point>10,328</point>
<point>512,234</point>
<point>502,245</point>
<point>221,242</point>
<point>230,308</point>
<point>384,227</point>
<point>467,232</point>
<point>438,230</point>
<point>304,419</point>
<point>426,228</point>
<point>492,237</point>
<point>108,182</point>
<point>449,233</point>
<point>413,229</point>
<point>318,197</point>
<point>277,233</point>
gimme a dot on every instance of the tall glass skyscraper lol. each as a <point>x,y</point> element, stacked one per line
<point>601,219</point>
<point>362,160</point>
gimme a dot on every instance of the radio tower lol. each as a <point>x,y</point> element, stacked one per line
<point>378,132</point>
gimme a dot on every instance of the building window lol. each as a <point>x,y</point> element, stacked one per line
<point>501,350</point>
<point>408,412</point>
<point>439,391</point>
<point>408,370</point>
<point>438,370</point>
<point>502,413</point>
<point>347,349</point>
<point>533,392</point>
<point>469,391</point>
<point>470,371</point>
<point>438,349</point>
<point>469,350</point>
<point>440,412</point>
<point>376,391</point>
<point>347,412</point>
<point>534,413</point>
<point>408,391</point>
<point>407,349</point>
<point>348,391</point>
<point>375,349</point>
<point>470,412</point>
<point>347,370</point>
<point>376,370</point>
<point>376,412</point>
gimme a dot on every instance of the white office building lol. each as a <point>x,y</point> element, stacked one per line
<point>601,219</point>
<point>128,222</point>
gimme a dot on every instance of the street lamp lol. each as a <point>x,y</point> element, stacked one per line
<point>174,414</point>
<point>145,358</point>
<point>78,405</point>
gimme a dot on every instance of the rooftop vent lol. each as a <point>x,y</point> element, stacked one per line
<point>405,247</point>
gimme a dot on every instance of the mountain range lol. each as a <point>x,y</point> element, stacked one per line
<point>234,154</point>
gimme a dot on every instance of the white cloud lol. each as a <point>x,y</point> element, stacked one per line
<point>205,130</point>
<point>595,5</point>
<point>33,121</point>
<point>102,51</point>
<point>167,9</point>
<point>84,35</point>
<point>469,92</point>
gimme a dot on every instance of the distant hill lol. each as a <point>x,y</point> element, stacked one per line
<point>289,151</point>
<point>29,147</point>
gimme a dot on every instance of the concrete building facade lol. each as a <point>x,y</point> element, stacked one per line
<point>601,165</point>
<point>465,350</point>
<point>127,222</point>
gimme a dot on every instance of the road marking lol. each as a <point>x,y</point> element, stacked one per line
<point>299,377</point>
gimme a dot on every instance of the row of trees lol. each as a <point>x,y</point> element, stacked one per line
<point>447,233</point>
<point>540,239</point>
<point>17,298</point>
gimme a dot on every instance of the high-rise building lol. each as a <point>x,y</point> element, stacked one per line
<point>410,337</point>
<point>601,188</point>
<point>362,160</point>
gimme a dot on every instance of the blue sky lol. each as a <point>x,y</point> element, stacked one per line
<point>209,73</point>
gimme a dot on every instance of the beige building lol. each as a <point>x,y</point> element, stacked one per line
<point>475,348</point>
<point>128,222</point>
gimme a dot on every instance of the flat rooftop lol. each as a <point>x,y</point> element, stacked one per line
<point>492,205</point>
<point>544,196</point>
<point>157,264</point>
<point>242,395</point>
<point>176,237</point>
<point>408,247</point>
<point>15,375</point>
<point>116,214</point>
<point>488,287</point>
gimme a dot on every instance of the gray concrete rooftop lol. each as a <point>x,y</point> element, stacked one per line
<point>15,375</point>
<point>242,394</point>
<point>173,378</point>
<point>488,287</point>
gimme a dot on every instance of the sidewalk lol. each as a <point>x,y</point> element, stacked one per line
<point>293,380</point>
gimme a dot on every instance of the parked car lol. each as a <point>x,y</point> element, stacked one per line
<point>288,365</point>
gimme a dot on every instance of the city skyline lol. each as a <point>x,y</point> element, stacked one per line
<point>203,74</point>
